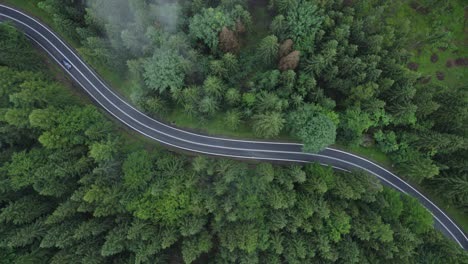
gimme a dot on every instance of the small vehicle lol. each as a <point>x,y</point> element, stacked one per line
<point>67,64</point>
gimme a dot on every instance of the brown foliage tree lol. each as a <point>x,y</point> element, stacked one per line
<point>289,62</point>
<point>228,41</point>
<point>285,48</point>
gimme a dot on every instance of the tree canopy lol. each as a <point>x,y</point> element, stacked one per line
<point>313,127</point>
<point>74,189</point>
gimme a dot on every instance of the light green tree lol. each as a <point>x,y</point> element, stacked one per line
<point>303,23</point>
<point>269,124</point>
<point>268,49</point>
<point>208,105</point>
<point>233,119</point>
<point>164,71</point>
<point>214,86</point>
<point>232,96</point>
<point>207,25</point>
<point>315,129</point>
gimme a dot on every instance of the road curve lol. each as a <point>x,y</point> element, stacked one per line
<point>105,97</point>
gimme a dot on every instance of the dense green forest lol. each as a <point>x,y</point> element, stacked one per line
<point>73,189</point>
<point>318,71</point>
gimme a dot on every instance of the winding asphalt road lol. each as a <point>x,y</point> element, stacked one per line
<point>104,96</point>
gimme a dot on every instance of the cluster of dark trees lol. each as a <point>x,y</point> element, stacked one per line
<point>74,190</point>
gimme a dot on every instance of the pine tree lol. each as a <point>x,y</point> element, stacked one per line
<point>268,49</point>
<point>269,124</point>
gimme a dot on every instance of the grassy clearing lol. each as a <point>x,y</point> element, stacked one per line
<point>453,76</point>
<point>421,25</point>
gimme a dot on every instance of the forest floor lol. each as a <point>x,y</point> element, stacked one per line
<point>447,64</point>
